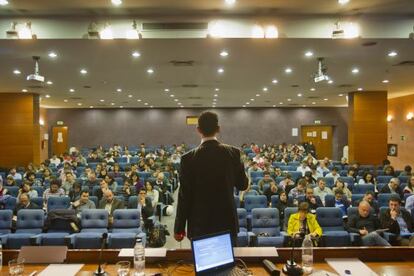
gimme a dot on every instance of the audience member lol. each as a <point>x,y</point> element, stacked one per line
<point>303,223</point>
<point>126,191</point>
<point>110,204</point>
<point>393,187</point>
<point>333,174</point>
<point>24,203</point>
<point>314,202</point>
<point>287,183</point>
<point>267,179</point>
<point>282,204</point>
<point>271,191</point>
<point>16,176</point>
<point>407,171</point>
<point>75,192</point>
<point>54,190</point>
<point>83,203</point>
<point>340,185</point>
<point>27,189</point>
<point>152,193</point>
<point>409,189</point>
<point>368,178</point>
<point>10,182</point>
<point>303,168</point>
<point>341,202</point>
<point>321,190</point>
<point>67,184</point>
<point>299,189</point>
<point>370,198</point>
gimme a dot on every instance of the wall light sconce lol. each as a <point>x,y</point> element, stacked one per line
<point>389,118</point>
<point>133,33</point>
<point>20,31</point>
<point>269,32</point>
<point>410,116</point>
<point>345,30</point>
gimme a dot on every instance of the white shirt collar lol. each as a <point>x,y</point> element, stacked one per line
<point>205,139</point>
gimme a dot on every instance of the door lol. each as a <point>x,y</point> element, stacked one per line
<point>321,137</point>
<point>60,140</point>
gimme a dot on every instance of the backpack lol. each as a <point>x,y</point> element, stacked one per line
<point>156,235</point>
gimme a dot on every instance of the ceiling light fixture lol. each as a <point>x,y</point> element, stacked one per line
<point>265,89</point>
<point>150,71</point>
<point>220,70</point>
<point>106,32</point>
<point>215,95</point>
<point>309,54</point>
<point>4,2</point>
<point>16,72</point>
<point>312,89</point>
<point>343,2</point>
<point>313,102</point>
<point>79,104</point>
<point>349,30</point>
<point>281,103</point>
<point>65,100</point>
<point>130,96</point>
<point>360,89</point>
<point>112,103</point>
<point>230,2</point>
<point>392,54</point>
<point>52,55</point>
<point>121,106</point>
<point>355,71</point>
<point>102,100</point>
<point>24,90</point>
<point>139,100</point>
<point>299,95</point>
<point>325,99</point>
<point>25,31</point>
<point>166,90</point>
<point>216,29</point>
<point>47,96</point>
<point>289,100</point>
<point>275,81</point>
<point>49,82</point>
<point>271,32</point>
<point>410,116</point>
<point>91,106</point>
<point>145,103</point>
<point>71,90</point>
<point>84,71</point>
<point>224,53</point>
<point>133,33</point>
<point>116,2</point>
<point>118,90</point>
<point>217,89</point>
<point>385,81</point>
<point>341,95</point>
<point>330,81</point>
<point>136,54</point>
<point>288,70</point>
<point>172,96</point>
<point>389,118</point>
<point>257,95</point>
<point>258,32</point>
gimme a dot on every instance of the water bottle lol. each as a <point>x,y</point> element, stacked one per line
<point>307,255</point>
<point>139,258</point>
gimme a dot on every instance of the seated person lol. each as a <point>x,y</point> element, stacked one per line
<point>407,171</point>
<point>303,168</point>
<point>91,181</point>
<point>267,179</point>
<point>54,190</point>
<point>409,189</point>
<point>321,190</point>
<point>31,177</point>
<point>75,192</point>
<point>110,204</point>
<point>393,187</point>
<point>10,181</point>
<point>313,201</point>
<point>126,191</point>
<point>112,184</point>
<point>3,190</point>
<point>340,185</point>
<point>162,182</point>
<point>368,178</point>
<point>136,181</point>
<point>287,184</point>
<point>409,203</point>
<point>24,203</point>
<point>145,205</point>
<point>299,189</point>
<point>152,193</point>
<point>398,221</point>
<point>27,189</point>
<point>281,205</point>
<point>103,188</point>
<point>82,203</point>
<point>334,174</point>
<point>370,198</point>
<point>341,202</point>
<point>366,223</point>
<point>67,184</point>
<point>310,180</point>
<point>272,190</point>
<point>303,223</point>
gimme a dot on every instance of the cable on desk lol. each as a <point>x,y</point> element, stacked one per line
<point>243,266</point>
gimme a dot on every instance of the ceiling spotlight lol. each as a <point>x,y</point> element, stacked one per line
<point>118,90</point>
<point>271,32</point>
<point>24,90</point>
<point>355,71</point>
<point>392,54</point>
<point>215,95</point>
<point>230,2</point>
<point>49,82</point>
<point>274,105</point>
<point>312,89</point>
<point>121,106</point>
<point>139,100</point>
<point>79,104</point>
<point>330,81</point>
<point>106,32</point>
<point>281,103</point>
<point>166,90</point>
<point>289,100</point>
<point>91,106</point>
<point>247,103</point>
<point>243,105</point>
<point>216,89</point>
<point>83,71</point>
<point>313,102</point>
<point>133,33</point>
<point>258,32</point>
<point>389,118</point>
<point>288,70</point>
<point>224,53</point>
<point>265,89</point>
<point>410,116</point>
<point>4,2</point>
<point>214,100</point>
<point>257,95</point>
<point>349,30</point>
<point>220,70</point>
<point>112,103</point>
<point>65,100</point>
<point>274,81</point>
<point>308,54</point>
<point>299,95</point>
<point>102,100</point>
<point>16,72</point>
<point>47,96</point>
<point>129,96</point>
<point>252,100</point>
<point>216,29</point>
<point>341,95</point>
<point>151,106</point>
<point>343,2</point>
<point>172,96</point>
<point>116,2</point>
<point>52,55</point>
<point>136,54</point>
<point>71,90</point>
<point>150,71</point>
<point>325,99</point>
<point>175,100</point>
<point>145,103</point>
<point>360,89</point>
<point>385,81</point>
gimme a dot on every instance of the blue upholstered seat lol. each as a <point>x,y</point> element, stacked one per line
<point>266,221</point>
<point>334,233</point>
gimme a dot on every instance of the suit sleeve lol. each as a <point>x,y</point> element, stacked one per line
<point>352,225</point>
<point>388,222</point>
<point>241,179</point>
<point>184,197</point>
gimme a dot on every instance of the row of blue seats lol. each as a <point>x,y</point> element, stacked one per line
<point>267,221</point>
<point>94,222</point>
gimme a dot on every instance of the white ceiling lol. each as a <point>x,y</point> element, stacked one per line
<point>210,7</point>
<point>250,66</point>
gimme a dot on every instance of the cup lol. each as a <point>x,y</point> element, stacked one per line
<point>16,267</point>
<point>123,267</point>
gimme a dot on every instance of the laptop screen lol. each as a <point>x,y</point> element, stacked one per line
<point>212,252</point>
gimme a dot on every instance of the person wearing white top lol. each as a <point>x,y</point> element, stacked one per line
<point>303,168</point>
<point>152,193</point>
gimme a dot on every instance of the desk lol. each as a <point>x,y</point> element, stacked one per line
<point>382,269</point>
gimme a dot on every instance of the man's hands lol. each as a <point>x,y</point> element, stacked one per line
<point>363,232</point>
<point>394,214</point>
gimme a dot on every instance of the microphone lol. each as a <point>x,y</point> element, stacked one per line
<point>291,268</point>
<point>100,271</point>
<point>270,268</point>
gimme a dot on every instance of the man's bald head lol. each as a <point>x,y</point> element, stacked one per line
<point>364,208</point>
<point>109,195</point>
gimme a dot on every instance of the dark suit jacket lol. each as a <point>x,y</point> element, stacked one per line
<point>116,204</point>
<point>386,190</point>
<point>208,176</point>
<point>388,222</point>
<point>21,207</point>
<point>146,211</point>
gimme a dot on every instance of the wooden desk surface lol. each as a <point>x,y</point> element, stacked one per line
<point>381,268</point>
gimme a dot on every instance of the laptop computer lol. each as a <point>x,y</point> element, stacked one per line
<point>213,255</point>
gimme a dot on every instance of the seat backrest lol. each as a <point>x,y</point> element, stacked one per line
<point>384,178</point>
<point>328,180</point>
<point>355,198</point>
<point>10,203</point>
<point>13,191</point>
<point>404,178</point>
<point>132,202</point>
<point>5,221</point>
<point>274,199</point>
<point>126,218</point>
<point>288,211</point>
<point>363,188</point>
<point>256,174</point>
<point>61,202</point>
<point>329,201</point>
<point>39,190</point>
<point>330,218</point>
<point>94,218</point>
<point>251,193</point>
<point>384,198</point>
<point>94,199</point>
<point>348,180</point>
<point>38,201</point>
<point>242,216</point>
<point>295,175</point>
<point>266,220</point>
<point>254,201</point>
<point>30,221</point>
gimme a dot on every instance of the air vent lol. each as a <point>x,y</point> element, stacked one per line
<point>174,26</point>
<point>36,86</point>
<point>87,86</point>
<point>405,63</point>
<point>345,85</point>
<point>369,44</point>
<point>293,104</point>
<point>182,63</point>
<point>194,98</point>
<point>313,97</point>
<point>75,98</point>
<point>189,85</point>
<point>198,105</point>
<point>295,85</point>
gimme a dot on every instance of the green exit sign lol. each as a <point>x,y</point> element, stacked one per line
<point>317,122</point>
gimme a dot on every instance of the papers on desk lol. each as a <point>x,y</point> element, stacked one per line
<point>255,252</point>
<point>61,270</point>
<point>350,267</point>
<point>149,252</point>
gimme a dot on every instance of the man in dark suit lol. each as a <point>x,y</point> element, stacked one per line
<point>208,176</point>
<point>313,201</point>
<point>24,203</point>
<point>110,203</point>
<point>398,221</point>
<point>144,203</point>
<point>393,187</point>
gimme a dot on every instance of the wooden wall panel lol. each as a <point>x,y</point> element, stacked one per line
<point>399,126</point>
<point>367,127</point>
<point>19,138</point>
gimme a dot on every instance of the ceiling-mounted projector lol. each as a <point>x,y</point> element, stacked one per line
<point>36,78</point>
<point>322,70</point>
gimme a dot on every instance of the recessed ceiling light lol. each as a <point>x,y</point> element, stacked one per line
<point>325,99</point>
<point>179,103</point>
<point>214,100</point>
<point>230,2</point>
<point>308,54</point>
<point>175,100</point>
<point>257,95</point>
<point>166,90</point>
<point>24,90</point>
<point>312,89</point>
<point>118,90</point>
<point>360,89</point>
<point>136,54</point>
<point>182,106</point>
<point>343,2</point>
<point>150,71</point>
<point>71,90</point>
<point>79,104</point>
<point>313,103</point>
<point>129,96</point>
<point>16,72</point>
<point>49,82</point>
<point>220,70</point>
<point>151,106</point>
<point>281,103</point>
<point>355,71</point>
<point>252,100</point>
<point>47,96</point>
<point>274,81</point>
<point>274,105</point>
<point>385,81</point>
<point>121,106</point>
<point>65,100</point>
<point>215,95</point>
<point>102,100</point>
<point>4,2</point>
<point>265,89</point>
<point>392,54</point>
<point>116,2</point>
<point>299,95</point>
<point>243,105</point>
<point>83,71</point>
<point>52,55</point>
<point>217,89</point>
<point>341,95</point>
<point>172,96</point>
<point>304,105</point>
<point>289,100</point>
<point>145,103</point>
<point>288,70</point>
<point>224,53</point>
<point>112,103</point>
<point>91,106</point>
<point>247,103</point>
<point>330,81</point>
<point>139,100</point>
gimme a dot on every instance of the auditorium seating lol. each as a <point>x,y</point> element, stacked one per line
<point>266,227</point>
<point>94,223</point>
<point>125,229</point>
<point>332,224</point>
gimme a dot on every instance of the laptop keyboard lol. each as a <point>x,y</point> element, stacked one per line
<point>235,271</point>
